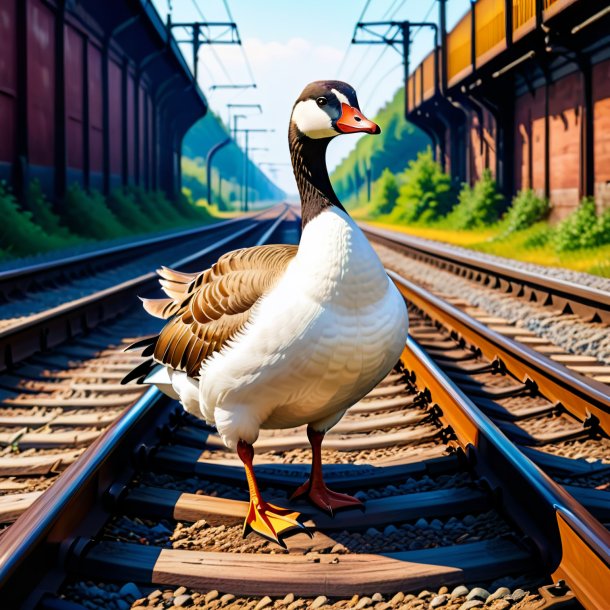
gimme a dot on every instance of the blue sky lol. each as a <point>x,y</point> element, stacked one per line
<point>290,43</point>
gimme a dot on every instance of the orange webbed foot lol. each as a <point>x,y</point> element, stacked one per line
<point>271,522</point>
<point>327,500</point>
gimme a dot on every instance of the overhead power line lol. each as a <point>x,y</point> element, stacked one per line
<point>384,49</point>
<point>349,45</point>
<point>393,9</point>
<point>212,49</point>
<point>381,79</point>
<point>243,51</point>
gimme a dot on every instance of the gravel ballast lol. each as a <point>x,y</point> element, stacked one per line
<point>566,331</point>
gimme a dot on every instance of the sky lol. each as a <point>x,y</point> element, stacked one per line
<point>289,43</point>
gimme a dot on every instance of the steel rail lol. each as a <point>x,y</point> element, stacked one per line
<point>569,296</point>
<point>578,394</point>
<point>32,544</point>
<point>44,533</point>
<point>54,326</point>
<point>21,279</point>
<point>572,543</point>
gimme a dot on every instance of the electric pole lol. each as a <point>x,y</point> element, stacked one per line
<point>247,133</point>
<point>397,34</point>
<point>206,32</point>
<point>242,106</point>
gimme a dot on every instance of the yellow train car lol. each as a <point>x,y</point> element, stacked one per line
<point>490,29</point>
<point>524,17</point>
<point>428,75</point>
<point>459,62</point>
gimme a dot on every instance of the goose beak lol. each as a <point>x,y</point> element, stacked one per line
<point>353,121</point>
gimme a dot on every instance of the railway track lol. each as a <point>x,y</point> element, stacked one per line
<point>151,513</point>
<point>562,319</point>
<point>56,401</point>
<point>44,304</point>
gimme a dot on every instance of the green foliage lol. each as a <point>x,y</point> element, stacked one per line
<point>190,211</point>
<point>229,161</point>
<point>42,211</point>
<point>538,235</point>
<point>398,143</point>
<point>164,213</point>
<point>526,209</point>
<point>19,234</point>
<point>478,206</point>
<point>583,228</point>
<point>156,207</point>
<point>89,216</point>
<point>123,205</point>
<point>128,210</point>
<point>386,194</point>
<point>425,194</point>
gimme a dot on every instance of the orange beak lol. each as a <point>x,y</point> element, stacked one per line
<point>353,121</point>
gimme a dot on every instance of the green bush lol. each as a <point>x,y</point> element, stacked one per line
<point>538,235</point>
<point>42,212</point>
<point>526,209</point>
<point>425,194</point>
<point>386,195</point>
<point>89,216</point>
<point>156,207</point>
<point>190,211</point>
<point>122,204</point>
<point>19,234</point>
<point>478,206</point>
<point>583,228</point>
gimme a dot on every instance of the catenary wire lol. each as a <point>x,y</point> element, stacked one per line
<point>349,44</point>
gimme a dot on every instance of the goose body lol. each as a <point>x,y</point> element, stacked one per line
<point>278,336</point>
<point>322,338</point>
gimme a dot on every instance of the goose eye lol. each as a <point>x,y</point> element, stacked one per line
<point>322,101</point>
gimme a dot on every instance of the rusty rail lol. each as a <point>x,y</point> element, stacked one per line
<point>54,326</point>
<point>48,529</point>
<point>21,279</point>
<point>576,393</point>
<point>586,301</point>
<point>574,545</point>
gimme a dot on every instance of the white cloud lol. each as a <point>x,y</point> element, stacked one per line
<point>282,70</point>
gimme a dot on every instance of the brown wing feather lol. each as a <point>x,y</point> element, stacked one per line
<point>175,283</point>
<point>207,309</point>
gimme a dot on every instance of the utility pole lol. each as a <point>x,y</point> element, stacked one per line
<point>245,197</point>
<point>256,184</point>
<point>397,34</point>
<point>247,133</point>
<point>208,166</point>
<point>206,32</point>
<point>234,136</point>
<point>442,20</point>
<point>235,119</point>
<point>273,167</point>
<point>242,106</point>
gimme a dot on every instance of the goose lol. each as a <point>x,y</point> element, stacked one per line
<point>278,336</point>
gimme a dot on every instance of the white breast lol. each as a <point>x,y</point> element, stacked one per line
<point>321,339</point>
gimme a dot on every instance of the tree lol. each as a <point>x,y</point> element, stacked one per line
<point>425,193</point>
<point>478,206</point>
<point>386,193</point>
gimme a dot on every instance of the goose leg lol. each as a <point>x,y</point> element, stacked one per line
<point>315,488</point>
<point>263,518</point>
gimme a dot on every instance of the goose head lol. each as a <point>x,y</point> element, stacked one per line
<point>325,109</point>
<point>328,108</point>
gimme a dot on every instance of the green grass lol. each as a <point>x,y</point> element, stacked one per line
<point>520,245</point>
<point>36,227</point>
<point>479,218</point>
